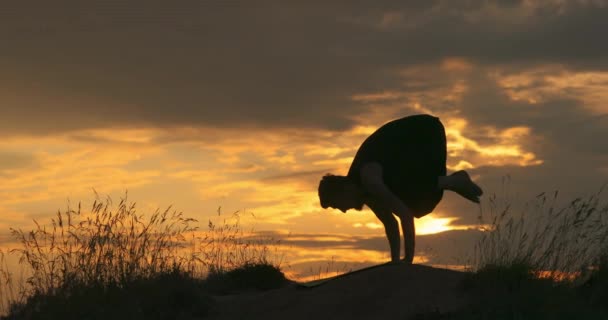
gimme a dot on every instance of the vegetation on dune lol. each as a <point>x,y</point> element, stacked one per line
<point>556,242</point>
<point>515,292</point>
<point>120,264</point>
<point>226,246</point>
<point>547,262</point>
<point>165,295</point>
<point>595,288</point>
<point>256,276</point>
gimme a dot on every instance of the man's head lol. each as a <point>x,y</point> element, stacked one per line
<point>340,192</point>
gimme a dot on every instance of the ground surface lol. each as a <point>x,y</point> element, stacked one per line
<point>385,292</point>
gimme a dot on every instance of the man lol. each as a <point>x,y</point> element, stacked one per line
<point>400,169</point>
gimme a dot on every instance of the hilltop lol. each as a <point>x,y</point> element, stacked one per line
<point>385,292</point>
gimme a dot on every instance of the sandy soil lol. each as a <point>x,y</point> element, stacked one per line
<point>386,292</point>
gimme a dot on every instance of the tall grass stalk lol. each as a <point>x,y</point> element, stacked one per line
<point>12,289</point>
<point>116,246</point>
<point>564,241</point>
<point>227,245</point>
<point>102,247</point>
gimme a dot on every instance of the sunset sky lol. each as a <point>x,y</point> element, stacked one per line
<point>247,104</point>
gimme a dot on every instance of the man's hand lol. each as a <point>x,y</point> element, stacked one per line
<point>401,262</point>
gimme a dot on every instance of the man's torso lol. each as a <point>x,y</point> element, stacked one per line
<point>412,153</point>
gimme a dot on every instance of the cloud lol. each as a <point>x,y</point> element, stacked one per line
<point>251,103</point>
<point>63,167</point>
<point>268,64</point>
<point>275,172</point>
<point>318,249</point>
<point>541,126</point>
<point>10,160</point>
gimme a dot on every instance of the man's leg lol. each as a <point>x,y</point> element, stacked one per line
<point>391,227</point>
<point>461,183</point>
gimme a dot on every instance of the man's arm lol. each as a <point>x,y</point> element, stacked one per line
<point>391,227</point>
<point>409,231</point>
<point>371,179</point>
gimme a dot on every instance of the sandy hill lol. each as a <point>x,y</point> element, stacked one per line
<point>385,292</point>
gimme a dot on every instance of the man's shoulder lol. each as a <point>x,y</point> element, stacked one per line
<point>417,118</point>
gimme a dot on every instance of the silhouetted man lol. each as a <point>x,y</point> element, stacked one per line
<point>400,169</point>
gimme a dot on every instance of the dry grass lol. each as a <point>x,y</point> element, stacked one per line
<point>109,247</point>
<point>556,241</point>
<point>103,246</point>
<point>227,245</point>
<point>545,261</point>
<point>12,290</point>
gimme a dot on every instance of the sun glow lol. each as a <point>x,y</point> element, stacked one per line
<point>426,225</point>
<point>432,225</point>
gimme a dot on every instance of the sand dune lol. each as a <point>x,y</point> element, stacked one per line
<point>385,292</point>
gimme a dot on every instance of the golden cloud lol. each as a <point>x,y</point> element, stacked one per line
<point>61,174</point>
<point>235,163</point>
<point>505,149</point>
<point>542,83</point>
<point>456,64</point>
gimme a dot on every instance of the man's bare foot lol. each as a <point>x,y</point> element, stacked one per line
<point>400,262</point>
<point>461,183</point>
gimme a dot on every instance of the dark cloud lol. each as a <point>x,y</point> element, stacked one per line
<point>563,123</point>
<point>516,188</point>
<point>564,134</point>
<point>69,65</point>
<point>509,3</point>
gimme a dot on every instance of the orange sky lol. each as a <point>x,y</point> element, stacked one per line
<point>248,114</point>
<point>272,173</point>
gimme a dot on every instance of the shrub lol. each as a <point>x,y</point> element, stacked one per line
<point>172,295</point>
<point>102,247</point>
<point>246,277</point>
<point>119,264</point>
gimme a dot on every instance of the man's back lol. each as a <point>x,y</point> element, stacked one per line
<point>412,153</point>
